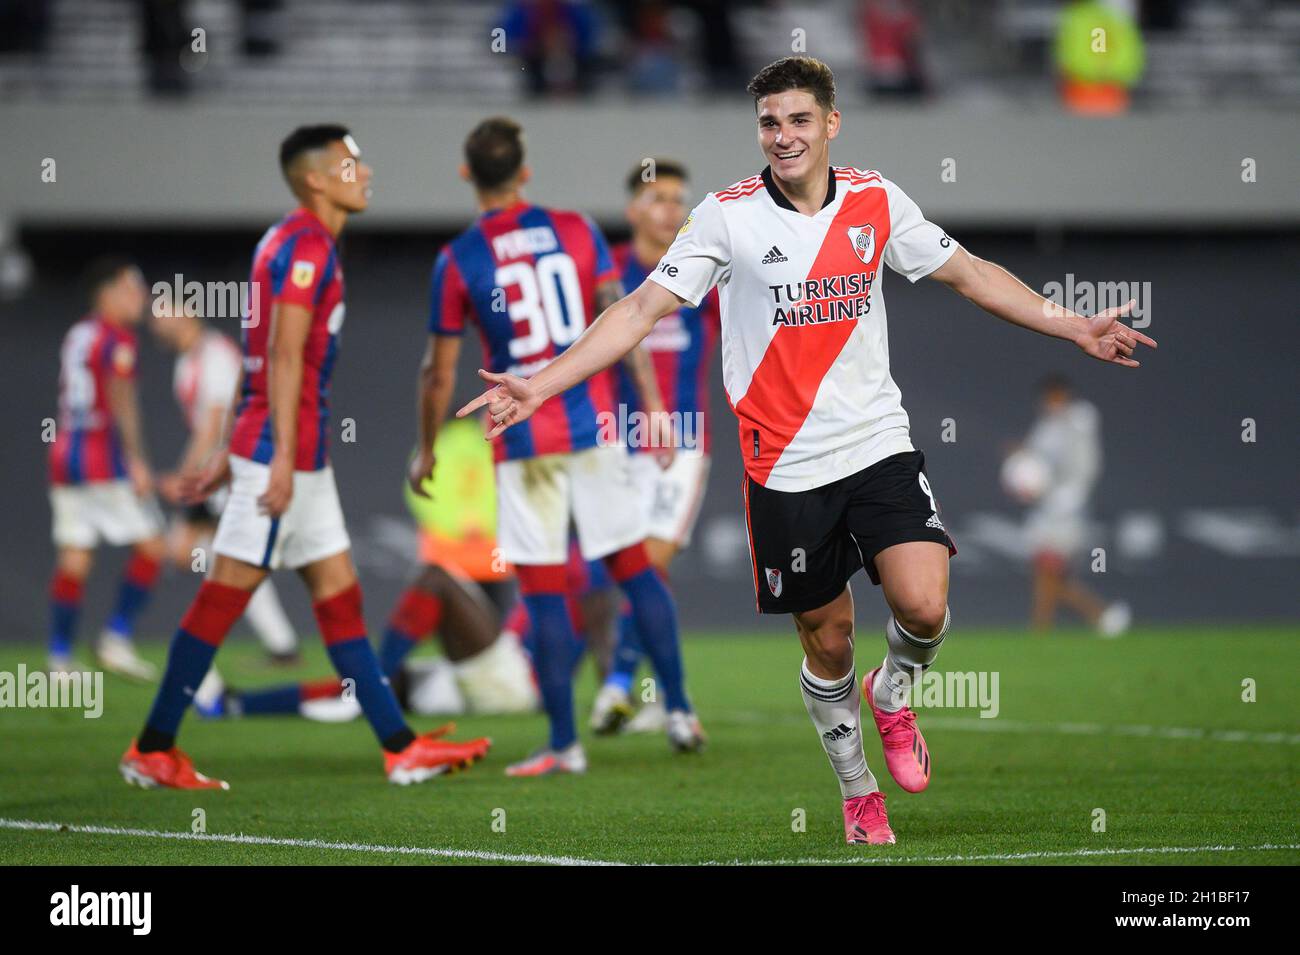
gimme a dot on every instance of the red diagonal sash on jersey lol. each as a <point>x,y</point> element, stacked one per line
<point>787,378</point>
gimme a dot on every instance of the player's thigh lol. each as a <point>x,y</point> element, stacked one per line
<point>914,578</point>
<point>606,500</point>
<point>892,502</point>
<point>73,525</point>
<point>233,572</point>
<point>75,561</point>
<point>801,552</point>
<point>313,527</point>
<point>678,496</point>
<point>533,510</point>
<point>244,531</point>
<point>124,518</point>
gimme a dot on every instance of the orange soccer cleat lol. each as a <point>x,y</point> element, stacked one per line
<point>169,768</point>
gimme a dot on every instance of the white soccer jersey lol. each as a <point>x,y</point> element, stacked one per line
<point>805,347</point>
<point>1070,442</point>
<point>206,376</point>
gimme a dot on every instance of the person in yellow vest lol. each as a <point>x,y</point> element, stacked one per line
<point>1099,57</point>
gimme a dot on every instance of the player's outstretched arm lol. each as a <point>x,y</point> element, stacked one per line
<point>437,380</point>
<point>618,330</point>
<point>998,292</point>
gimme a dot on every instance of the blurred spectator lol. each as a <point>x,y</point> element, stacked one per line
<point>166,36</point>
<point>892,32</point>
<point>652,65</point>
<point>1099,56</point>
<point>262,24</point>
<point>24,25</point>
<point>718,50</point>
<point>556,39</point>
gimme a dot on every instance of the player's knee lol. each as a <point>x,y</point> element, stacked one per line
<point>923,615</point>
<point>830,643</point>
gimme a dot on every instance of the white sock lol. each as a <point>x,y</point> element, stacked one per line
<point>835,708</point>
<point>267,618</point>
<point>907,655</point>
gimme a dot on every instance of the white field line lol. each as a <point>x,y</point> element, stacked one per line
<point>470,855</point>
<point>926,720</point>
<point>29,825</point>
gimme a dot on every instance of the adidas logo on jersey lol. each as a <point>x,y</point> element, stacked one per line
<point>934,522</point>
<point>774,256</point>
<point>843,731</point>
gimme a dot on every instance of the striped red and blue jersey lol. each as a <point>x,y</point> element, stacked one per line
<point>296,263</point>
<point>87,446</point>
<point>680,346</point>
<point>527,276</point>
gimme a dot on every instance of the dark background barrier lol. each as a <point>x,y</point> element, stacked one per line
<point>1196,523</point>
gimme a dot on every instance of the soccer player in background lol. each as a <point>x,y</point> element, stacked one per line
<point>531,277</point>
<point>283,508</point>
<point>101,485</point>
<point>204,381</point>
<point>681,347</point>
<point>1066,439</point>
<point>833,482</point>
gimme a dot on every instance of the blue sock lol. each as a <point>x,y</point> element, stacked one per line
<point>133,594</point>
<point>278,699</point>
<point>627,653</point>
<point>553,642</point>
<point>188,662</point>
<point>655,613</point>
<point>355,660</point>
<point>393,649</point>
<point>63,624</point>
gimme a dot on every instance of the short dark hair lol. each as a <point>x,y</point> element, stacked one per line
<point>103,271</point>
<point>795,73</point>
<point>662,167</point>
<point>494,152</point>
<point>305,139</point>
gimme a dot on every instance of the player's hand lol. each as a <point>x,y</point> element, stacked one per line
<point>510,401</point>
<point>170,487</point>
<point>1106,338</point>
<point>421,467</point>
<point>141,477</point>
<point>663,439</point>
<point>279,487</point>
<point>196,485</point>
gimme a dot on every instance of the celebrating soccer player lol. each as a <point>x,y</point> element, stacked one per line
<point>283,508</point>
<point>531,278</point>
<point>680,348</point>
<point>833,481</point>
<point>101,487</point>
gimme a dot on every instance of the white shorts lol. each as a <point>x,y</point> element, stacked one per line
<point>85,514</point>
<point>537,496</point>
<point>310,530</point>
<point>1062,534</point>
<point>672,498</point>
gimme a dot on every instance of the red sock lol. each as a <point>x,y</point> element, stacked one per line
<point>214,611</point>
<point>417,614</point>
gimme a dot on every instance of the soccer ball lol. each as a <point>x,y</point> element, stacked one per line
<point>1025,476</point>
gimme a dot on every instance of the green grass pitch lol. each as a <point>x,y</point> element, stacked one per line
<point>1151,729</point>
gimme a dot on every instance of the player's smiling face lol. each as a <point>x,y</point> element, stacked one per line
<point>795,133</point>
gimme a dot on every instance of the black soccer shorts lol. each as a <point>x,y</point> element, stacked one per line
<point>805,545</point>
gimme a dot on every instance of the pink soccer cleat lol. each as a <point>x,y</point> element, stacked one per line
<point>865,821</point>
<point>169,769</point>
<point>549,762</point>
<point>906,755</point>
